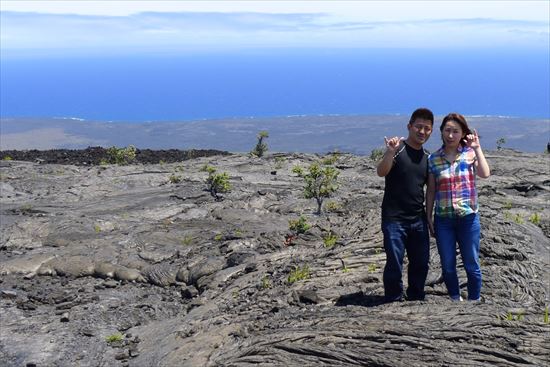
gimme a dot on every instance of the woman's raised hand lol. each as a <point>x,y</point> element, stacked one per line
<point>472,140</point>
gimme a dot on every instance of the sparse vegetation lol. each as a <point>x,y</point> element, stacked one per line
<point>517,218</point>
<point>299,225</point>
<point>511,317</point>
<point>535,218</point>
<point>97,228</point>
<point>507,205</point>
<point>7,158</point>
<point>500,143</point>
<point>330,239</point>
<point>121,156</point>
<point>372,268</point>
<point>279,162</point>
<point>261,147</point>
<point>331,159</point>
<point>333,206</point>
<point>299,273</point>
<point>175,179</point>
<point>376,154</point>
<point>298,170</point>
<point>116,337</point>
<point>187,240</point>
<point>218,237</point>
<point>266,284</point>
<point>320,183</point>
<point>545,318</point>
<point>217,183</point>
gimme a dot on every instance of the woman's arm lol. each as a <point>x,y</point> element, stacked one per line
<point>430,198</point>
<point>482,167</point>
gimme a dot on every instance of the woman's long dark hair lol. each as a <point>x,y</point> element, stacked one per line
<point>459,119</point>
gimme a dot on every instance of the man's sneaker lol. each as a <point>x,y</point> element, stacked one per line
<point>475,300</point>
<point>457,299</point>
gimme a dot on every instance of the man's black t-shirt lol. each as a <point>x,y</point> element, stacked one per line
<point>404,191</point>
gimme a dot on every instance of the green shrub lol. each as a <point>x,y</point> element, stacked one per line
<point>320,183</point>
<point>116,337</point>
<point>500,143</point>
<point>333,206</point>
<point>330,239</point>
<point>376,154</point>
<point>279,162</point>
<point>121,156</point>
<point>298,274</point>
<point>535,218</point>
<point>265,282</point>
<point>261,147</point>
<point>545,318</point>
<point>7,158</point>
<point>174,179</point>
<point>298,170</point>
<point>299,225</point>
<point>217,183</point>
<point>331,159</point>
<point>187,240</point>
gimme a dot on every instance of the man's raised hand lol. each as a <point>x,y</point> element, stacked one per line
<point>393,143</point>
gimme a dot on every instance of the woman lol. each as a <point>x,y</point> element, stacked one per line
<point>452,185</point>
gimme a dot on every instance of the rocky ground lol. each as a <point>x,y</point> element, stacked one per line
<point>124,265</point>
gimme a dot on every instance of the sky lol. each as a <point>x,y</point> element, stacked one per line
<point>81,26</point>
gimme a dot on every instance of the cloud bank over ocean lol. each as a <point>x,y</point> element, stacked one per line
<point>186,30</point>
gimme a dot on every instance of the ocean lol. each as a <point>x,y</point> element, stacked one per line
<point>263,83</point>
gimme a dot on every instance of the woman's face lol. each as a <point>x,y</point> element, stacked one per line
<point>452,134</point>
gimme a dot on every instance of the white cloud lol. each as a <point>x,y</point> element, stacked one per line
<point>179,26</point>
<point>362,10</point>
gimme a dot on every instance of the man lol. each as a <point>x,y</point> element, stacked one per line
<point>404,225</point>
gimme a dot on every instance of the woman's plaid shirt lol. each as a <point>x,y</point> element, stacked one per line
<point>455,183</point>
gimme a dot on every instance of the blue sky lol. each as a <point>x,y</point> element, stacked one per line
<point>73,27</point>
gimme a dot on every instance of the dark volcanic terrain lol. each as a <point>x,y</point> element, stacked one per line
<point>139,265</point>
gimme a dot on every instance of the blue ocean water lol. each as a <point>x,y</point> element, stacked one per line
<point>276,83</point>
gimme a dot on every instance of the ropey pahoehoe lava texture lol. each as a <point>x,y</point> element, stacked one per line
<point>139,265</point>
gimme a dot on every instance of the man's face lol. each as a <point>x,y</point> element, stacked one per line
<point>420,130</point>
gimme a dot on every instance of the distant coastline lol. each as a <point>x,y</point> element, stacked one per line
<point>358,134</point>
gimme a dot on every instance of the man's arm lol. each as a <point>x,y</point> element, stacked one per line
<point>386,164</point>
<point>430,198</point>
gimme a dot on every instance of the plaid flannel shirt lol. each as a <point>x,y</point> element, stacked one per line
<point>455,183</point>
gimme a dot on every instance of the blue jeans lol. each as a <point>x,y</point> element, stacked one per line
<point>399,237</point>
<point>465,231</point>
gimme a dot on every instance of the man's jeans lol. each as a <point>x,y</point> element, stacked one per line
<point>465,231</point>
<point>414,238</point>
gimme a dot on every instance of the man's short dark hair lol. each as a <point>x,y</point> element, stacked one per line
<point>422,113</point>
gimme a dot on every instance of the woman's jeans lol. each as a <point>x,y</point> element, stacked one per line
<point>413,238</point>
<point>465,231</point>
